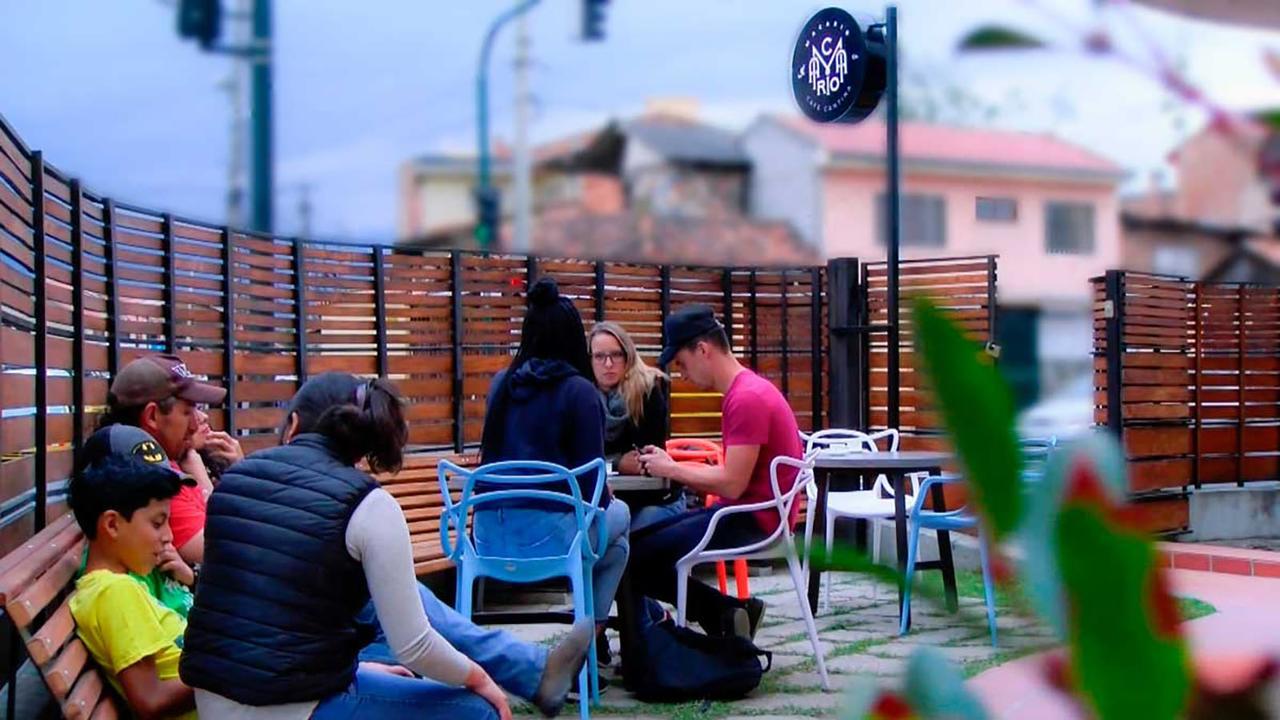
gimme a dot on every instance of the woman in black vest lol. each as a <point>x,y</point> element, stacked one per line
<point>297,540</point>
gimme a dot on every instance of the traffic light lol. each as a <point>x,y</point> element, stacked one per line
<point>200,20</point>
<point>593,19</point>
<point>488,216</point>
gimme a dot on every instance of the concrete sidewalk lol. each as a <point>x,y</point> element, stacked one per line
<point>1246,622</point>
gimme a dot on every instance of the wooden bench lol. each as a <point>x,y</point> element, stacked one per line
<point>35,586</point>
<point>417,488</point>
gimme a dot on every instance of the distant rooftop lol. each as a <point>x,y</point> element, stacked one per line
<point>956,145</point>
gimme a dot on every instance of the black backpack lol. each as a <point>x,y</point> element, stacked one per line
<point>675,664</point>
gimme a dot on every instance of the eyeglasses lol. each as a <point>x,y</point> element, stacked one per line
<point>607,358</point>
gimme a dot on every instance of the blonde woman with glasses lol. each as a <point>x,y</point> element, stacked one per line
<point>635,401</point>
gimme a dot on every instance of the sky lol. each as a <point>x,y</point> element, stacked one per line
<point>113,96</point>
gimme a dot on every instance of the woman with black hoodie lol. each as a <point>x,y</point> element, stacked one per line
<point>545,406</point>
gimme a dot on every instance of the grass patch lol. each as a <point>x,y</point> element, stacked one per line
<point>969,585</point>
<point>973,668</point>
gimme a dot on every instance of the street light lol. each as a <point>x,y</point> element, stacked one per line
<point>201,20</point>
<point>487,199</point>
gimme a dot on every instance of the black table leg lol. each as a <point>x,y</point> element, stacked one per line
<point>823,479</point>
<point>900,531</point>
<point>944,552</point>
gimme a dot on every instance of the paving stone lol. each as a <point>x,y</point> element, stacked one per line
<point>780,629</point>
<point>1010,622</point>
<point>784,662</point>
<point>852,635</point>
<point>774,717</point>
<point>804,647</point>
<point>867,665</point>
<point>811,679</point>
<point>939,636</point>
<point>955,654</point>
<point>884,609</point>
<point>1020,642</point>
<point>816,699</point>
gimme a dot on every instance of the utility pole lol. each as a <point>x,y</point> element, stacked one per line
<point>488,212</point>
<point>487,200</point>
<point>201,20</point>
<point>234,87</point>
<point>523,165</point>
<point>304,210</point>
<point>263,182</point>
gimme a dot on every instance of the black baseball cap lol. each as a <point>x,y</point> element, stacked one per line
<point>684,326</point>
<point>125,441</point>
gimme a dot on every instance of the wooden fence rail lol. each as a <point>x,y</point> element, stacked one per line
<point>88,284</point>
<point>1188,377</point>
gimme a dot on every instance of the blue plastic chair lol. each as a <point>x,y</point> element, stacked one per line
<point>1035,456</point>
<point>577,562</point>
<point>951,520</point>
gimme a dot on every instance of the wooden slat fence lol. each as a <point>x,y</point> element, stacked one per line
<point>1198,394</point>
<point>88,284</point>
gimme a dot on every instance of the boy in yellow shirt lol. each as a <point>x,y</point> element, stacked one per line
<point>122,505</point>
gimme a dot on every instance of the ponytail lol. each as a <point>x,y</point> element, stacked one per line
<point>362,420</point>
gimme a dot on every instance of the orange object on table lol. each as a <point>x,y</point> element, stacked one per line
<point>698,451</point>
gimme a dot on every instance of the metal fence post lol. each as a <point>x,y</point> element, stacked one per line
<point>1115,351</point>
<point>40,291</point>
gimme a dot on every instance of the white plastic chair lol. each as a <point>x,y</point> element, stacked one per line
<point>779,544</point>
<point>871,505</point>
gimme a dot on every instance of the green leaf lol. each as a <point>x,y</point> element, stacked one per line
<point>1037,536</point>
<point>1270,118</point>
<point>999,37</point>
<point>977,408</point>
<point>1125,666</point>
<point>937,689</point>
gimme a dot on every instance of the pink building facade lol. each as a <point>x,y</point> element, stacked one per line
<point>1048,209</point>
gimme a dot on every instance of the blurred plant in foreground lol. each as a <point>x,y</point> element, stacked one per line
<point>1091,572</point>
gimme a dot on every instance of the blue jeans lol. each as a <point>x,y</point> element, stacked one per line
<point>377,696</point>
<point>512,663</point>
<point>650,514</point>
<point>661,545</point>
<point>535,532</point>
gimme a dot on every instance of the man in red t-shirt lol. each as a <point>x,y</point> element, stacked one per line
<point>160,395</point>
<point>757,425</point>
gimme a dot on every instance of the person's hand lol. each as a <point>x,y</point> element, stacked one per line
<point>655,461</point>
<point>399,670</point>
<point>222,445</point>
<point>193,465</point>
<point>481,684</point>
<point>629,464</point>
<point>172,564</point>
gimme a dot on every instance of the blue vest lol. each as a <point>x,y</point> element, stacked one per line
<point>274,619</point>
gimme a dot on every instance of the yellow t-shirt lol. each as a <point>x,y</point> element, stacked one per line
<point>121,623</point>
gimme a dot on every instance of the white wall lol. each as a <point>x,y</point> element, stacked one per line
<point>784,179</point>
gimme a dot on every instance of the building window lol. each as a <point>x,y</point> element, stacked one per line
<point>1068,228</point>
<point>1180,260</point>
<point>993,209</point>
<point>924,220</point>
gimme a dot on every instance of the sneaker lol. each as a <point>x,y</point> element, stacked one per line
<point>573,691</point>
<point>755,613</point>
<point>604,655</point>
<point>561,671</point>
<point>736,623</point>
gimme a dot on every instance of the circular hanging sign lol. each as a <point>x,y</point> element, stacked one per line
<point>835,76</point>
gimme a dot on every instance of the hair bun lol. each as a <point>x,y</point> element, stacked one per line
<point>544,292</point>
